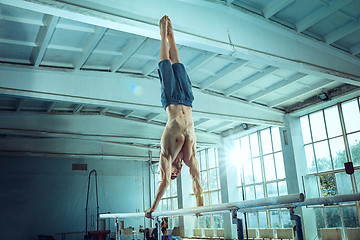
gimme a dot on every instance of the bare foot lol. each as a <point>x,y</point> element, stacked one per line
<point>163,24</point>
<point>170,30</point>
<point>148,213</point>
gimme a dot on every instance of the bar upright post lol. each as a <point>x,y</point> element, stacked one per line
<point>239,225</point>
<point>158,228</point>
<point>297,219</point>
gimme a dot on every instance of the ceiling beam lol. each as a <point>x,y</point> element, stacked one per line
<point>91,127</point>
<point>104,110</point>
<point>131,48</point>
<point>320,14</point>
<point>90,46</point>
<point>78,108</point>
<point>222,74</point>
<point>298,93</point>
<point>200,61</point>
<point>247,81</point>
<point>276,86</point>
<point>220,125</point>
<point>151,116</point>
<point>342,31</point>
<point>19,104</point>
<point>200,121</point>
<point>275,6</point>
<point>84,87</point>
<point>43,39</point>
<point>207,33</point>
<point>355,49</point>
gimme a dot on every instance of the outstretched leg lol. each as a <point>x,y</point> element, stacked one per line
<point>173,52</point>
<point>164,52</point>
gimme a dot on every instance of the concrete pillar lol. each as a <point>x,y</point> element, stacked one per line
<point>295,168</point>
<point>228,185</point>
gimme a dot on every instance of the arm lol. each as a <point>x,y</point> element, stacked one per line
<point>196,181</point>
<point>165,173</point>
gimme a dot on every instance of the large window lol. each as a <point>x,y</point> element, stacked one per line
<point>331,138</point>
<point>209,171</point>
<point>261,174</point>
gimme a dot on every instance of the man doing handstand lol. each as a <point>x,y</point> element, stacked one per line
<point>178,142</point>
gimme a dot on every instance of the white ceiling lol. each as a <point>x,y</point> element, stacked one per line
<point>79,78</point>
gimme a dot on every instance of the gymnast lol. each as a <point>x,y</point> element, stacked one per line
<point>178,141</point>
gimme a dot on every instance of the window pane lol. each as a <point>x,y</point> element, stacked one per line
<point>201,222</point>
<point>317,126</point>
<point>245,148</point>
<point>333,122</point>
<point>262,220</point>
<point>354,142</point>
<point>252,220</point>
<point>175,203</point>
<point>212,159</point>
<point>257,170</point>
<point>343,182</point>
<point>311,186</point>
<point>249,178</point>
<point>214,198</point>
<point>338,154</point>
<point>275,132</point>
<point>165,204</point>
<point>328,185</point>
<point>332,217</point>
<point>213,179</point>
<point>175,221</point>
<point>350,216</point>
<point>259,191</point>
<point>249,192</point>
<point>204,181</point>
<point>216,219</point>
<point>167,193</point>
<point>279,163</point>
<point>206,199</point>
<point>240,193</point>
<point>304,121</point>
<point>285,219</point>
<point>202,160</point>
<point>254,145</point>
<point>196,222</point>
<point>282,188</point>
<point>208,221</point>
<point>351,116</point>
<point>266,141</point>
<point>269,167</point>
<point>173,187</point>
<point>274,218</point>
<point>271,189</point>
<point>357,179</point>
<point>310,158</point>
<point>319,215</point>
<point>322,156</point>
<point>169,222</point>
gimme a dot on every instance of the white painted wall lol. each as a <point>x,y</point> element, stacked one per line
<point>44,196</point>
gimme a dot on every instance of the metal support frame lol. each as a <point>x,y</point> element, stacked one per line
<point>297,219</point>
<point>158,228</point>
<point>87,202</point>
<point>239,225</point>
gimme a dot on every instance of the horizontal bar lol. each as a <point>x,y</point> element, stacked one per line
<point>292,198</point>
<point>310,202</point>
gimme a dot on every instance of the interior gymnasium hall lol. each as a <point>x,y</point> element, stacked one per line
<point>276,114</point>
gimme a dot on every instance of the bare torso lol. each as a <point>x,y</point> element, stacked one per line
<point>179,139</point>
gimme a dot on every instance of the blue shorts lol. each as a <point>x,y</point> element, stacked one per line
<point>175,84</point>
